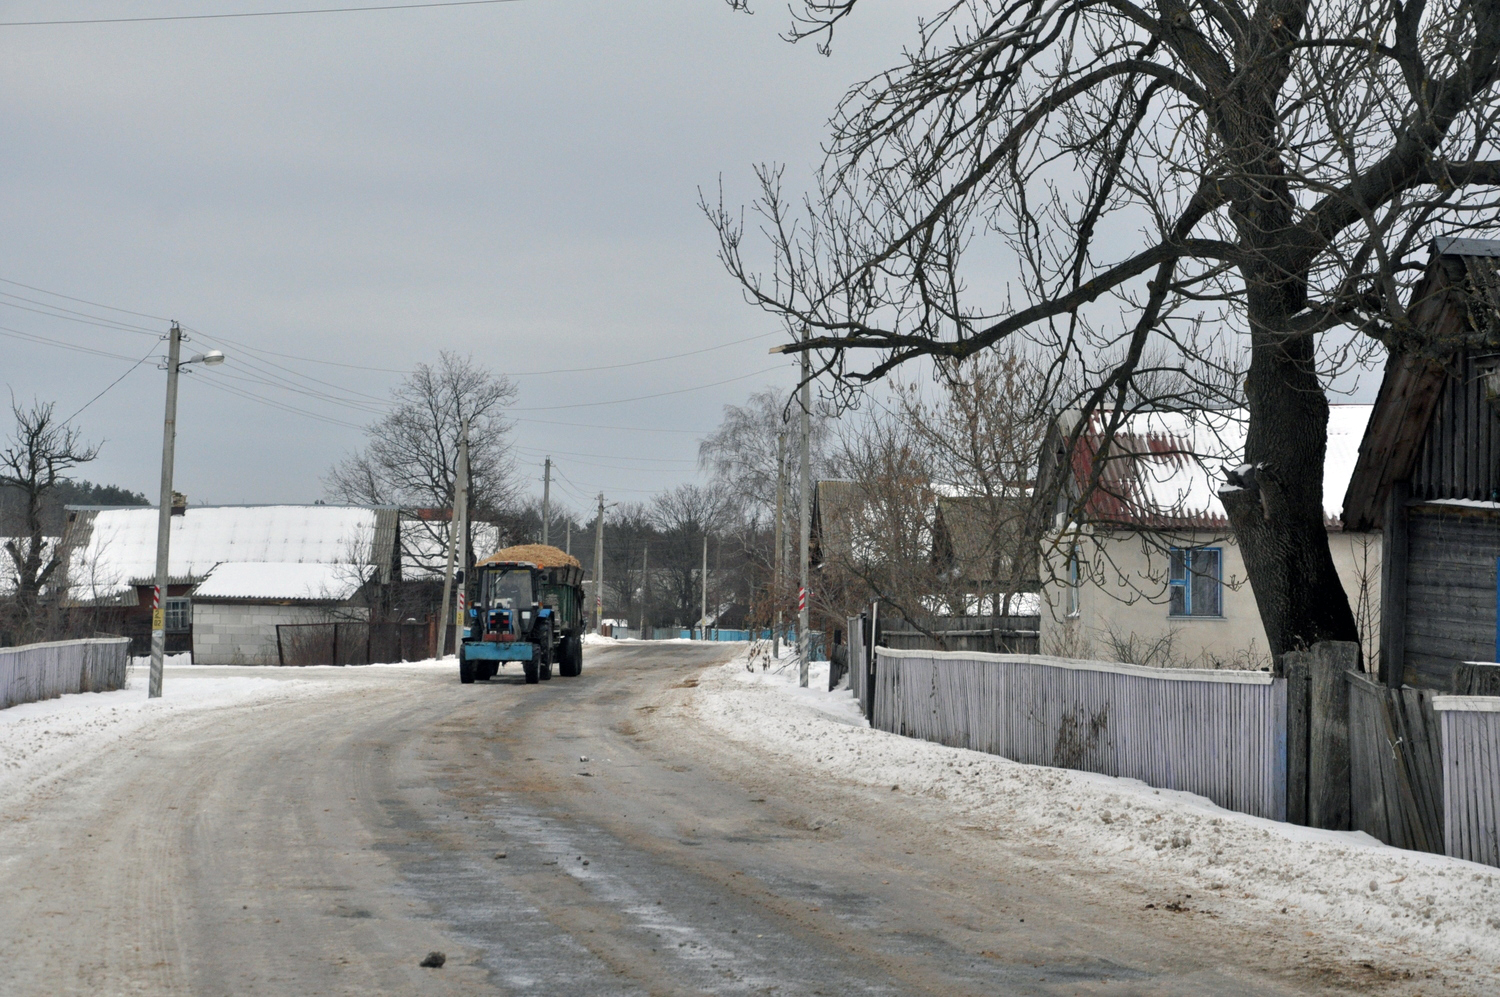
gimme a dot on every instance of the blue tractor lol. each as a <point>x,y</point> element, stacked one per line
<point>524,611</point>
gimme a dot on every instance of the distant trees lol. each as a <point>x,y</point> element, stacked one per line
<point>40,451</point>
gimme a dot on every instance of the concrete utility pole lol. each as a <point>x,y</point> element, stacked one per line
<point>164,513</point>
<point>645,590</point>
<point>599,568</point>
<point>546,498</point>
<point>703,592</point>
<point>569,548</point>
<point>462,579</point>
<point>804,500</point>
<point>460,489</point>
<point>779,543</point>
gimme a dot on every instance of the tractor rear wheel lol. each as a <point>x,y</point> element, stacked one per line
<point>571,665</point>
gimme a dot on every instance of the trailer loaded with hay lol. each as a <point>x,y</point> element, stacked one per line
<point>525,606</point>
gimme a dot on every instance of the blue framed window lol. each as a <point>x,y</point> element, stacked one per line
<point>1196,582</point>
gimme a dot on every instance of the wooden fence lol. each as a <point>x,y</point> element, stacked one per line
<point>1220,734</point>
<point>989,635</point>
<point>1395,765</point>
<point>1471,776</point>
<point>35,672</point>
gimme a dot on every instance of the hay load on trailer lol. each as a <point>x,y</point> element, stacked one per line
<point>525,605</point>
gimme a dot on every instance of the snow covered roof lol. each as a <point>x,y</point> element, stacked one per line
<point>1166,468</point>
<point>113,549</point>
<point>282,580</point>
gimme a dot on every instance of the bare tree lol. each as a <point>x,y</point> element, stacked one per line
<point>984,435</point>
<point>1185,179</point>
<point>740,454</point>
<point>411,456</point>
<point>40,452</point>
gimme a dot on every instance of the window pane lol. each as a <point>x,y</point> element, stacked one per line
<point>1206,588</point>
<point>1179,565</point>
<point>1178,605</point>
<point>179,615</point>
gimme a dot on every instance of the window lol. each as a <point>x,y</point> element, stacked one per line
<point>1196,582</point>
<point>1073,607</point>
<point>179,613</point>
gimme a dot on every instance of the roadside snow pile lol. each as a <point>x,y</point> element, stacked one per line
<point>178,660</point>
<point>39,741</point>
<point>1347,884</point>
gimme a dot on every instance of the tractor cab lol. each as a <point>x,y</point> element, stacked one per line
<point>506,608</point>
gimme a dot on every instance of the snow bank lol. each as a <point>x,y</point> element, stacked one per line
<point>1357,893</point>
<point>40,741</point>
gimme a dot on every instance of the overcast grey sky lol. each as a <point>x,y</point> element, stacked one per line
<point>518,181</point>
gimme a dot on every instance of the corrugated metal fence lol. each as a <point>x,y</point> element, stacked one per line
<point>1220,734</point>
<point>1471,776</point>
<point>34,672</point>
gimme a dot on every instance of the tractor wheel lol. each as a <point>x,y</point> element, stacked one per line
<point>488,669</point>
<point>465,669</point>
<point>571,665</point>
<point>529,667</point>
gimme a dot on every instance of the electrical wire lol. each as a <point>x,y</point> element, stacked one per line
<point>34,338</point>
<point>82,301</point>
<point>116,381</point>
<point>257,13</point>
<point>622,429</point>
<point>659,394</point>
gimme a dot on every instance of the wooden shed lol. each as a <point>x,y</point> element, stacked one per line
<point>1428,476</point>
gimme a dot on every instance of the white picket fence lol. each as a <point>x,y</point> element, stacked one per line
<point>1220,734</point>
<point>1471,776</point>
<point>33,672</point>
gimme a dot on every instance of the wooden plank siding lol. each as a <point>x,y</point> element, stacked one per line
<point>33,672</point>
<point>1218,734</point>
<point>1457,459</point>
<point>1450,594</point>
<point>1395,771</point>
<point>1471,776</point>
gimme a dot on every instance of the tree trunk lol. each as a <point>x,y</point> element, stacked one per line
<point>1278,518</point>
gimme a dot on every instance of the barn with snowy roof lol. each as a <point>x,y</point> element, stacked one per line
<point>236,572</point>
<point>1140,563</point>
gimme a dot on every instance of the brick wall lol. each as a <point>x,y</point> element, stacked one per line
<point>239,633</point>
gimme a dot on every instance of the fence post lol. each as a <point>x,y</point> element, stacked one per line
<point>1294,665</point>
<point>1328,799</point>
<point>280,654</point>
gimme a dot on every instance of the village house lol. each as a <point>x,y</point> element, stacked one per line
<point>1147,570</point>
<point>1427,482</point>
<point>235,572</point>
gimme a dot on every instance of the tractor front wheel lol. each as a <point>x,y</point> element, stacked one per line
<point>530,670</point>
<point>465,669</point>
<point>544,651</point>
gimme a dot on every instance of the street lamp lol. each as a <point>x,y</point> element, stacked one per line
<point>164,513</point>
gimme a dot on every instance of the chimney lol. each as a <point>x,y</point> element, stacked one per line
<point>179,504</point>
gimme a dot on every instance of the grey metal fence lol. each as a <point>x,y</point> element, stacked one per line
<point>1220,734</point>
<point>34,672</point>
<point>1471,776</point>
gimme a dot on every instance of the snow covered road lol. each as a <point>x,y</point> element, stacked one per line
<point>656,827</point>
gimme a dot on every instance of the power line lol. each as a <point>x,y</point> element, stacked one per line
<point>34,338</point>
<point>637,363</point>
<point>660,394</point>
<point>622,429</point>
<point>116,381</point>
<point>82,301</point>
<point>257,13</point>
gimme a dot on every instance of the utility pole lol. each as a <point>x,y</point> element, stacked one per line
<point>462,577</point>
<point>164,513</point>
<point>779,543</point>
<point>164,517</point>
<point>703,592</point>
<point>569,549</point>
<point>599,568</point>
<point>804,500</point>
<point>645,590</point>
<point>460,488</point>
<point>546,498</point>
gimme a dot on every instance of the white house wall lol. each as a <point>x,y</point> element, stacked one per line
<point>1111,616</point>
<point>239,633</point>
